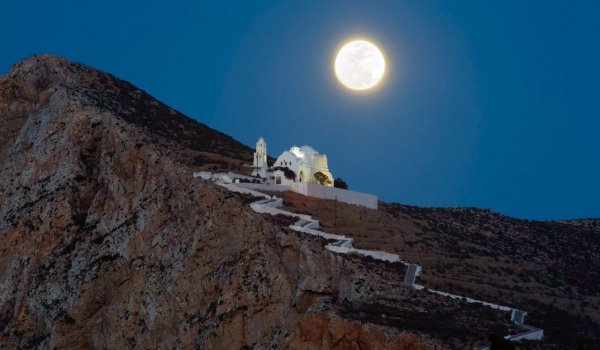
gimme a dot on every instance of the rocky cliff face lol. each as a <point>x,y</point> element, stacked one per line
<point>106,240</point>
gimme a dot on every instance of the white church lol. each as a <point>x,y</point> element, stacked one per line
<point>300,169</point>
<point>298,164</point>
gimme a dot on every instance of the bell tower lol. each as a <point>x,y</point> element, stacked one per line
<point>260,159</point>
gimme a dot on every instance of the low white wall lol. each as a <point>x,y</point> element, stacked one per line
<point>534,334</point>
<point>468,300</point>
<point>234,188</point>
<point>206,175</point>
<point>319,191</point>
<point>376,254</point>
<point>305,188</point>
<point>263,187</point>
<point>326,192</point>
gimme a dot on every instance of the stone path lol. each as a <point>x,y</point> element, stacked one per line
<point>343,245</point>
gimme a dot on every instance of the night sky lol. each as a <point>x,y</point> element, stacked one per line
<point>493,104</point>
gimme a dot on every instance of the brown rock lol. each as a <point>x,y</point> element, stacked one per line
<point>106,240</point>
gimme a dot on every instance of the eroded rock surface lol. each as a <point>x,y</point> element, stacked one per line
<point>106,240</point>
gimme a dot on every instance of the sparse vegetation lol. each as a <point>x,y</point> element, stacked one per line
<point>322,178</point>
<point>340,183</point>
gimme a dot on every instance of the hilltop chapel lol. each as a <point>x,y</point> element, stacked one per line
<point>298,164</point>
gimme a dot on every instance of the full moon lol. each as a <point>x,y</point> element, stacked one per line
<point>359,65</point>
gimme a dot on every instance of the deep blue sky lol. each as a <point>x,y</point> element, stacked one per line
<point>487,104</point>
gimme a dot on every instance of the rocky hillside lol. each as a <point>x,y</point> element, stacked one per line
<point>107,241</point>
<point>52,85</point>
<point>550,269</point>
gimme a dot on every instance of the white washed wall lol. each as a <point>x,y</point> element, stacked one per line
<point>264,187</point>
<point>319,191</point>
<point>345,196</point>
<point>534,334</point>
